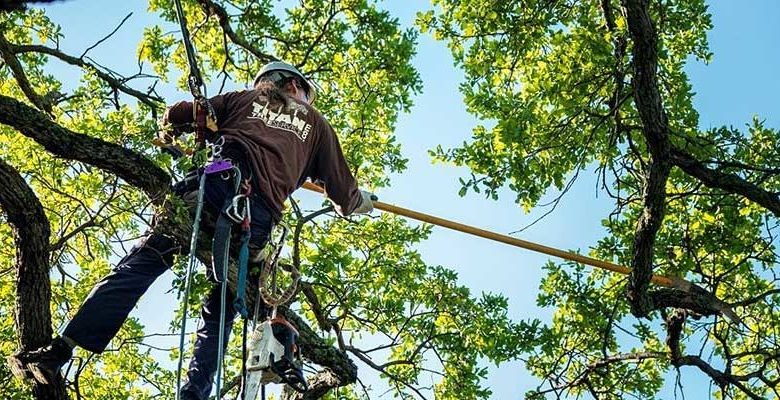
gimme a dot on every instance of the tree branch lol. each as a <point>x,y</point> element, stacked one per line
<point>319,385</point>
<point>7,53</point>
<point>595,366</point>
<point>133,167</point>
<point>722,379</point>
<point>106,37</point>
<point>656,133</point>
<point>756,299</point>
<point>321,353</point>
<point>151,101</point>
<point>212,8</point>
<point>141,172</point>
<point>10,5</point>
<point>720,180</point>
<point>31,231</point>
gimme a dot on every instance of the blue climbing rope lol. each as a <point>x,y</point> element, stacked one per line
<point>193,261</point>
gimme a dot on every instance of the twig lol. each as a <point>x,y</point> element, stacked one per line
<point>151,101</point>
<point>106,37</point>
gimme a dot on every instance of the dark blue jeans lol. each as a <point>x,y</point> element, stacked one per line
<point>107,306</point>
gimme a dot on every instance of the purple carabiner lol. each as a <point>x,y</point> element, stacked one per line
<point>218,166</point>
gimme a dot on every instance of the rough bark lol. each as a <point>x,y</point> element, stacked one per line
<point>656,134</point>
<point>697,300</point>
<point>319,385</point>
<point>319,352</point>
<point>663,155</point>
<point>674,326</point>
<point>33,292</point>
<point>720,180</point>
<point>134,168</point>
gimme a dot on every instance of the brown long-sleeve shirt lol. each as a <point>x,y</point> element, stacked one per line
<point>284,145</point>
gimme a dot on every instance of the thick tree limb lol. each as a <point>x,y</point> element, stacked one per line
<point>319,352</point>
<point>134,168</point>
<point>720,180</point>
<point>25,214</point>
<point>319,385</point>
<point>663,156</point>
<point>656,133</point>
<point>674,326</point>
<point>696,299</point>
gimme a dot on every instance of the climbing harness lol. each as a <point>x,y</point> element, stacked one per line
<point>213,168</point>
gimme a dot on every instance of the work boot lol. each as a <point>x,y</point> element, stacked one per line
<point>43,364</point>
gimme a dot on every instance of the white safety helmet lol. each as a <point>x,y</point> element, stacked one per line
<point>276,71</point>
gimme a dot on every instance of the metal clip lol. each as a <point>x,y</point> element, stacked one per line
<point>216,148</point>
<point>235,213</point>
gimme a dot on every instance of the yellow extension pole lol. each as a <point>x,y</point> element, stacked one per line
<point>566,255</point>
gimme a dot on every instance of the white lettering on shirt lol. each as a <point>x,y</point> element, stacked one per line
<point>280,118</point>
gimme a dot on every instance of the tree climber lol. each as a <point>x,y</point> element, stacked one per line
<point>275,137</point>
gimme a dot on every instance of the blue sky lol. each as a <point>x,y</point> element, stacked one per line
<point>740,82</point>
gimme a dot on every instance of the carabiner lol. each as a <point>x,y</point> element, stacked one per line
<point>233,211</point>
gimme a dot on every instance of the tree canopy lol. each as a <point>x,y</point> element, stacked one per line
<point>572,85</point>
<point>559,87</point>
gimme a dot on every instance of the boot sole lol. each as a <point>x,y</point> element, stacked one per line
<point>18,368</point>
<point>44,375</point>
<point>33,371</point>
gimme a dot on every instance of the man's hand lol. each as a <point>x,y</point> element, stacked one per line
<point>166,135</point>
<point>366,205</point>
<point>168,131</point>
